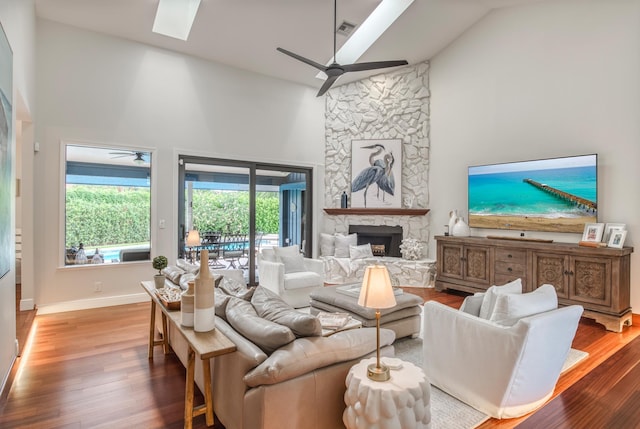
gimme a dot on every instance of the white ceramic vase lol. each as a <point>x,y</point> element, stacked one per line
<point>461,229</point>
<point>453,218</point>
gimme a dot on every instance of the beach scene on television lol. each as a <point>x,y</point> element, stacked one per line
<point>556,195</point>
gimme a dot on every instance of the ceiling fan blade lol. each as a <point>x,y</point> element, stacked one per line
<point>327,84</point>
<point>303,59</point>
<point>373,65</point>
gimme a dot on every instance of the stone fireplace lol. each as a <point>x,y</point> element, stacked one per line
<point>379,235</point>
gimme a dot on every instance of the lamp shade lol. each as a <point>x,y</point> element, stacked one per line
<point>193,238</point>
<point>376,289</point>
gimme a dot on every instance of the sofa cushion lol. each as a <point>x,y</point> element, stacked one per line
<point>489,299</point>
<point>511,307</point>
<point>270,306</point>
<point>327,244</point>
<point>310,353</point>
<point>360,252</point>
<point>173,274</point>
<point>293,264</point>
<point>267,335</point>
<point>342,244</point>
<point>221,300</point>
<point>302,280</point>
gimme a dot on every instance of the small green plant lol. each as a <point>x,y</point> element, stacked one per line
<point>159,263</point>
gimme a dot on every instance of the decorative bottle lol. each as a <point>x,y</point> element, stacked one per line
<point>344,200</point>
<point>204,311</point>
<point>186,305</point>
<point>453,218</point>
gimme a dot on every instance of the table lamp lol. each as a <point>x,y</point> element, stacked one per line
<point>376,292</point>
<point>193,240</point>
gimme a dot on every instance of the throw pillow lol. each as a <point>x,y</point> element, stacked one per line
<point>288,251</point>
<point>267,335</point>
<point>360,252</point>
<point>327,244</point>
<point>221,301</point>
<point>173,274</point>
<point>342,244</point>
<point>516,306</point>
<point>188,267</point>
<point>270,306</point>
<point>489,300</point>
<point>268,255</point>
<point>293,264</point>
<point>185,279</point>
<point>234,288</point>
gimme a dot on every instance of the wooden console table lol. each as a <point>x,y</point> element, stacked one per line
<point>206,344</point>
<point>596,278</point>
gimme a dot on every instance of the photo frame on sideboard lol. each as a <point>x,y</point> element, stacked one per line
<point>609,227</point>
<point>617,238</point>
<point>593,232</point>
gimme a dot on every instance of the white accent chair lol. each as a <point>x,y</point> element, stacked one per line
<point>505,369</point>
<point>285,271</point>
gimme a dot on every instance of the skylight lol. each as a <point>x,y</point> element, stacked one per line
<point>371,29</point>
<point>174,18</point>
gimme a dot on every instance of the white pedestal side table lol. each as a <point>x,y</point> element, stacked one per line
<point>403,402</point>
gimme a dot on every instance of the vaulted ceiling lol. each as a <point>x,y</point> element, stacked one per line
<point>245,33</point>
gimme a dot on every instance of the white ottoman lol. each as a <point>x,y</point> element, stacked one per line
<point>403,402</point>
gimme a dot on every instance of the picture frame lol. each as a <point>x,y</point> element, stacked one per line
<point>593,232</point>
<point>6,152</point>
<point>617,238</point>
<point>376,173</point>
<point>609,227</point>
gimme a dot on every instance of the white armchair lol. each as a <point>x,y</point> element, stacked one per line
<point>503,371</point>
<point>286,272</point>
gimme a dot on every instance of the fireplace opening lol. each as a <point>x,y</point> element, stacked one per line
<point>388,236</point>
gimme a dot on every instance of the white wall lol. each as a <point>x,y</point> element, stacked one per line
<point>17,18</point>
<point>543,80</point>
<point>96,88</point>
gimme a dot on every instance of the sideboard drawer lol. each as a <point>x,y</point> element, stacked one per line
<point>511,255</point>
<point>510,268</point>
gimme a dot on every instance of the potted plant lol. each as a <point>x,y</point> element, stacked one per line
<point>159,263</point>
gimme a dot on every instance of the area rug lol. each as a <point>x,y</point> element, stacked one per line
<point>446,411</point>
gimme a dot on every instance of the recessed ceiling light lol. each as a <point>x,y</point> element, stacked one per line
<point>174,18</point>
<point>371,29</point>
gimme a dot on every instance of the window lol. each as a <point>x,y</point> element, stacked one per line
<point>107,205</point>
<point>239,207</point>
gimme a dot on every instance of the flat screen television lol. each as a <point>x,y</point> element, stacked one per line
<point>556,194</point>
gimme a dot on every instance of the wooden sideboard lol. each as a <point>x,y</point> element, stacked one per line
<point>596,278</point>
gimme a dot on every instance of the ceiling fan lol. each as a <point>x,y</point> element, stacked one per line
<point>335,70</point>
<point>138,157</point>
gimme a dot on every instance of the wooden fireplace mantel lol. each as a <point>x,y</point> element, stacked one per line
<point>376,211</point>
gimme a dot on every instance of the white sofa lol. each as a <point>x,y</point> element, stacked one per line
<point>504,370</point>
<point>286,272</point>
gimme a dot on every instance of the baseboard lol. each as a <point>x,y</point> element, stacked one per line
<point>27,304</point>
<point>86,304</point>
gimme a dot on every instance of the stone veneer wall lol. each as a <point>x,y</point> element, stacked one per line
<point>393,105</point>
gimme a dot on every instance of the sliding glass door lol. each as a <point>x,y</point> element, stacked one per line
<point>235,208</point>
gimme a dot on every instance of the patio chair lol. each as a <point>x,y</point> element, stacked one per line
<point>233,248</point>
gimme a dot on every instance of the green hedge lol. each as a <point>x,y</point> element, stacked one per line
<point>110,215</point>
<point>228,211</point>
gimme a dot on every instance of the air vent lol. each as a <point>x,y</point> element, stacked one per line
<point>346,28</point>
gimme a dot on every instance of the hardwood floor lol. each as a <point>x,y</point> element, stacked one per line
<point>89,369</point>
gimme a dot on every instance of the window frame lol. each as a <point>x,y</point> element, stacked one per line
<point>63,201</point>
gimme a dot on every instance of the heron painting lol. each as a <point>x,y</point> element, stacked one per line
<point>376,173</point>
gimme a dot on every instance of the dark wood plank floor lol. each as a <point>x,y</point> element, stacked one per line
<point>89,369</point>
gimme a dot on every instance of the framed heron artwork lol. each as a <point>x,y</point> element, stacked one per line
<point>376,170</point>
<point>6,139</point>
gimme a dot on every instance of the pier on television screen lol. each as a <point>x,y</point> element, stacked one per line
<point>558,194</point>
